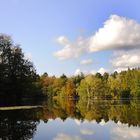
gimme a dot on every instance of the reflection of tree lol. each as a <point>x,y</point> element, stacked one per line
<point>61,108</point>
<point>17,130</point>
<point>21,124</point>
<point>17,125</point>
<point>124,111</point>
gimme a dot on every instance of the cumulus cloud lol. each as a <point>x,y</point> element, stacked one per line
<point>124,59</point>
<point>77,72</point>
<point>78,122</point>
<point>120,69</point>
<point>62,40</point>
<point>71,49</point>
<point>125,133</point>
<point>117,33</point>
<point>102,70</point>
<point>120,34</point>
<point>86,131</point>
<point>62,136</point>
<point>93,72</point>
<point>86,62</point>
<point>102,123</point>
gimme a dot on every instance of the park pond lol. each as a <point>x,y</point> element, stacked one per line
<point>71,120</point>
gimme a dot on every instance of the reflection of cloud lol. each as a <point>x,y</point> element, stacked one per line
<point>50,120</point>
<point>87,121</point>
<point>102,123</point>
<point>86,131</point>
<point>125,133</point>
<point>78,122</point>
<point>62,136</point>
<point>119,123</point>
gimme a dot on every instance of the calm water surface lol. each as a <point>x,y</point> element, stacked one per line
<point>73,120</point>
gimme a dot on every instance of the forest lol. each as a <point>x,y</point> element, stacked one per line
<point>18,78</point>
<point>125,84</point>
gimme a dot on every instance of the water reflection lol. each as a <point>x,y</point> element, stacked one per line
<point>124,133</point>
<point>17,125</point>
<point>73,120</point>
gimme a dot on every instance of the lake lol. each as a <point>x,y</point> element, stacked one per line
<point>72,120</point>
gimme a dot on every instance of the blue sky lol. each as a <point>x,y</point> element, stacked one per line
<point>47,30</point>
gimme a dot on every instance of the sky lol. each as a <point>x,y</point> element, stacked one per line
<point>73,36</point>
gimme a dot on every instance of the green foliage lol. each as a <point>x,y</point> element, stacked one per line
<point>17,74</point>
<point>98,75</point>
<point>92,86</point>
<point>77,79</point>
<point>125,84</point>
<point>105,76</point>
<point>60,87</point>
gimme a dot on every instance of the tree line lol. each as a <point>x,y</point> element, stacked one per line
<point>125,84</point>
<point>18,78</point>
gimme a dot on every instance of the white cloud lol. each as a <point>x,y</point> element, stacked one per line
<point>102,70</point>
<point>86,62</point>
<point>125,59</point>
<point>120,69</point>
<point>62,40</point>
<point>71,49</point>
<point>86,131</point>
<point>78,122</point>
<point>102,123</point>
<point>77,72</point>
<point>62,136</point>
<point>125,133</point>
<point>117,33</point>
<point>93,72</point>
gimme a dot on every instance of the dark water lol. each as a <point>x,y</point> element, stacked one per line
<point>73,120</point>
